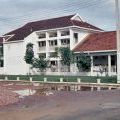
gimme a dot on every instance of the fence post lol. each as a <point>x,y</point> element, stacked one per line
<point>18,78</point>
<point>61,79</point>
<point>45,79</point>
<point>98,81</point>
<point>6,78</point>
<point>78,80</point>
<point>30,79</point>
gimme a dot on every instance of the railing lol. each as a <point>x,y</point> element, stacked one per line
<point>42,49</point>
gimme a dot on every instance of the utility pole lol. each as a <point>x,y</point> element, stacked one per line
<point>117,2</point>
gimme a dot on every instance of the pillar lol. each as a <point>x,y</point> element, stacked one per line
<point>59,45</point>
<point>18,78</point>
<point>92,88</point>
<point>78,80</point>
<point>6,78</point>
<point>45,79</point>
<point>47,45</point>
<point>91,57</point>
<point>61,79</point>
<point>109,65</point>
<point>30,79</point>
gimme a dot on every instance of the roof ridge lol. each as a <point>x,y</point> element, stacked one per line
<point>52,18</point>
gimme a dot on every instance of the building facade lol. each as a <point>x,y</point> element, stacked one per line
<point>67,31</point>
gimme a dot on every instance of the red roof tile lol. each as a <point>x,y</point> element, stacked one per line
<point>97,42</point>
<point>21,33</point>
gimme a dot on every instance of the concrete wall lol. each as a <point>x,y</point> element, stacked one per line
<point>14,58</point>
<point>1,70</point>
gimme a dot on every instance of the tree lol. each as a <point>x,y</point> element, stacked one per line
<point>83,62</point>
<point>67,56</point>
<point>29,55</point>
<point>40,63</point>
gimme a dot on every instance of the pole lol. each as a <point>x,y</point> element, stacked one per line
<point>118,38</point>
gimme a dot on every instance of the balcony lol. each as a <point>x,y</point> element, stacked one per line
<point>42,49</point>
<point>41,35</point>
<point>65,42</point>
<point>53,34</point>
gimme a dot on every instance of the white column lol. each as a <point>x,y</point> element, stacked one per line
<point>47,45</point>
<point>58,44</point>
<point>109,65</point>
<point>91,57</point>
<point>71,39</point>
<point>58,40</point>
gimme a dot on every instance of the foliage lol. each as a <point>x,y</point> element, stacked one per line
<point>1,50</point>
<point>40,63</point>
<point>83,62</point>
<point>29,55</point>
<point>67,56</point>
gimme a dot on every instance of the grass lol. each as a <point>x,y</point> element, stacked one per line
<point>90,79</point>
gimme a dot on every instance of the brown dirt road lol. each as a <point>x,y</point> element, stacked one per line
<point>84,105</point>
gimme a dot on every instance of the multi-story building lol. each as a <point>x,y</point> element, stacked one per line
<point>67,31</point>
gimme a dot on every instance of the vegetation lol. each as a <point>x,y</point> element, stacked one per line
<point>29,55</point>
<point>67,56</point>
<point>40,63</point>
<point>83,62</point>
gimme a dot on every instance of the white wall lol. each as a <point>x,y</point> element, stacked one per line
<point>1,70</point>
<point>81,35</point>
<point>14,58</point>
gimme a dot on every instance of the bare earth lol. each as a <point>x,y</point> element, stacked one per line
<point>84,105</point>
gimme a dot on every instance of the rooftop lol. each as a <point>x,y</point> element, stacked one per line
<point>65,21</point>
<point>98,42</point>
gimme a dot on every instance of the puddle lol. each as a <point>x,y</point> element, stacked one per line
<point>110,105</point>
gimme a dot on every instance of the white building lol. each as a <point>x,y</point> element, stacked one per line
<point>46,35</point>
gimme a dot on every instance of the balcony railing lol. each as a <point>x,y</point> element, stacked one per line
<point>42,49</point>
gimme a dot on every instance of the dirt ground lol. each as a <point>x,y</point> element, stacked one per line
<point>84,105</point>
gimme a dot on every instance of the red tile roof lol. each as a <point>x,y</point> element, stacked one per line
<point>98,42</point>
<point>65,21</point>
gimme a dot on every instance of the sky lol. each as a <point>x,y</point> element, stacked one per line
<point>16,13</point>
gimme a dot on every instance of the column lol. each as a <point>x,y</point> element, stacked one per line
<point>109,65</point>
<point>91,57</point>
<point>71,39</point>
<point>47,45</point>
<point>58,45</point>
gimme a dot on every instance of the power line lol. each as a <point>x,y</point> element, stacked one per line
<point>68,7</point>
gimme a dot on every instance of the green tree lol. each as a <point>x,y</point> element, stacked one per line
<point>67,56</point>
<point>83,62</point>
<point>29,55</point>
<point>40,63</point>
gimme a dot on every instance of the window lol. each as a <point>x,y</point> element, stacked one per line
<point>65,33</point>
<point>53,43</point>
<point>1,63</point>
<point>53,34</point>
<point>43,35</point>
<point>76,37</point>
<point>42,55</point>
<point>65,41</point>
<point>42,43</point>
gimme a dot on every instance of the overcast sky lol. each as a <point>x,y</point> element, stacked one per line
<point>15,13</point>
